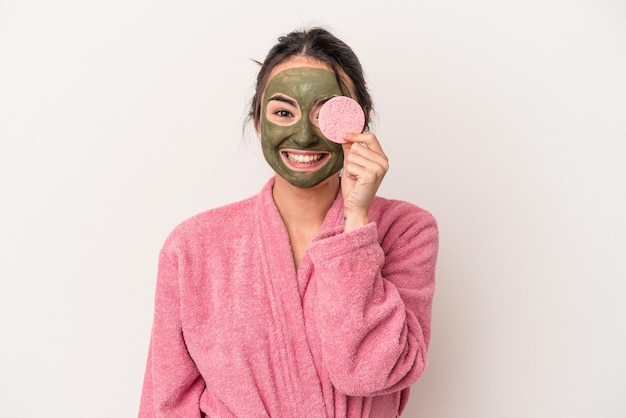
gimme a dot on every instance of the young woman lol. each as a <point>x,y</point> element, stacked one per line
<point>311,299</point>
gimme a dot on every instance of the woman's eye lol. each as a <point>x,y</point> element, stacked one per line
<point>283,113</point>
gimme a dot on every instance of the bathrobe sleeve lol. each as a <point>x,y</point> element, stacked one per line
<point>373,307</point>
<point>172,383</point>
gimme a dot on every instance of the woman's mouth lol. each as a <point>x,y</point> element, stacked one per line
<point>304,160</point>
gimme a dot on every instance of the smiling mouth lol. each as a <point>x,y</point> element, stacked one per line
<point>305,159</point>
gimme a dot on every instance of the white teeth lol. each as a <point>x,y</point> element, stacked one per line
<point>299,158</point>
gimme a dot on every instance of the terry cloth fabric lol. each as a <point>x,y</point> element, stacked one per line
<point>239,332</point>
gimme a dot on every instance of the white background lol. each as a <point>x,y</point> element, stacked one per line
<point>505,119</point>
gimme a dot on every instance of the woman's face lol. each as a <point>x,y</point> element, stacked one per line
<point>292,142</point>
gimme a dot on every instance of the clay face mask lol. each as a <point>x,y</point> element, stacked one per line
<point>293,144</point>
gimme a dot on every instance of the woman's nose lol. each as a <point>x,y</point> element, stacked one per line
<point>306,134</point>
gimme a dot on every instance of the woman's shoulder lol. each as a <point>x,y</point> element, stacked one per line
<point>213,224</point>
<point>396,217</point>
<point>385,209</point>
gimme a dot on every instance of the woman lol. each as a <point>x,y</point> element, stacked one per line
<point>311,299</point>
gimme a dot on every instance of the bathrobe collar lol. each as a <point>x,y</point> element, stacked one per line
<point>288,287</point>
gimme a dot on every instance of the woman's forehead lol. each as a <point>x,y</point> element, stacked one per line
<point>304,82</point>
<point>296,62</point>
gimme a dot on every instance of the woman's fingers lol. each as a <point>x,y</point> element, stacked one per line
<point>365,164</point>
<point>364,151</point>
<point>368,139</point>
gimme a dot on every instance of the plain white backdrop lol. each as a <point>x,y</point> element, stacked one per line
<point>505,119</point>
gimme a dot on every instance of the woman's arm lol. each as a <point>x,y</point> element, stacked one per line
<point>373,306</point>
<point>172,383</point>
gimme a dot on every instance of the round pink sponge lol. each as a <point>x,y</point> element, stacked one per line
<point>339,115</point>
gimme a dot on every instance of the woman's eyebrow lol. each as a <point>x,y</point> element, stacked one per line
<point>284,99</point>
<point>324,100</point>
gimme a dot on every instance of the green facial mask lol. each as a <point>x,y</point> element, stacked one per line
<point>306,86</point>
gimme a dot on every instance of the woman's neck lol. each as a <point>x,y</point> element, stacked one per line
<point>304,208</point>
<point>303,211</point>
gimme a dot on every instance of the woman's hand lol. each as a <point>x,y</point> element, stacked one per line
<point>364,167</point>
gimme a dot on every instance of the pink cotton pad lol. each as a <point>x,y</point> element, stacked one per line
<point>339,115</point>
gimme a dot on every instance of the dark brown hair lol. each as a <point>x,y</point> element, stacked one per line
<point>321,45</point>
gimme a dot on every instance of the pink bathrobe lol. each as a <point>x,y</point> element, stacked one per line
<point>239,332</point>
